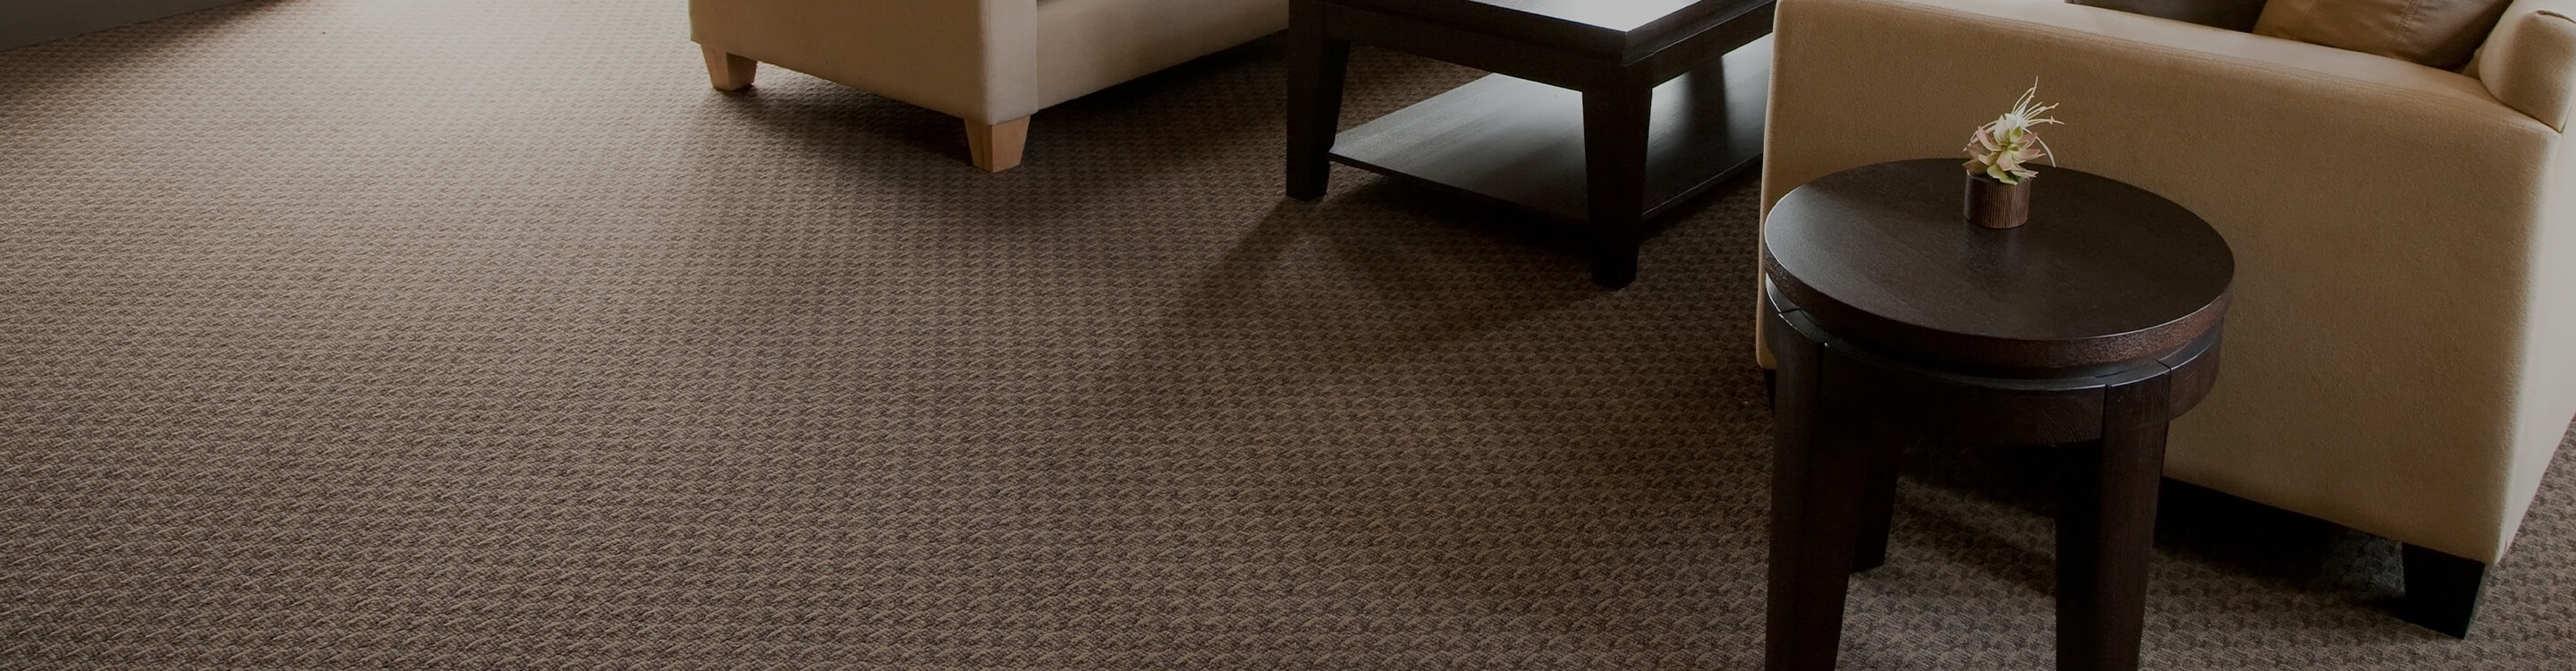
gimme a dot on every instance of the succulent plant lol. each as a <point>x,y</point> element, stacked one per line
<point>2003,148</point>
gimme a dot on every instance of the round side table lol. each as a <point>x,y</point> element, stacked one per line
<point>1891,316</point>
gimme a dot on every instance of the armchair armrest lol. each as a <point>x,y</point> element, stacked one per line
<point>2529,61</point>
<point>974,59</point>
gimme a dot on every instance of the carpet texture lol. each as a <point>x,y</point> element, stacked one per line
<point>482,334</point>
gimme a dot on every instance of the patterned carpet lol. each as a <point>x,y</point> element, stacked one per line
<point>482,334</point>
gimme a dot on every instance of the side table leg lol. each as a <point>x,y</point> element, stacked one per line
<point>1878,503</point>
<point>1615,123</point>
<point>1816,477</point>
<point>1317,63</point>
<point>2106,529</point>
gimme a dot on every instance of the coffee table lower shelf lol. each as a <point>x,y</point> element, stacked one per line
<point>1520,142</point>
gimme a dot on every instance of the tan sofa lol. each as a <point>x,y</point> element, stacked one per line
<point>990,62</point>
<point>2401,355</point>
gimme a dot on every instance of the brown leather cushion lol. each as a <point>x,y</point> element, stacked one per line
<point>2437,33</point>
<point>2236,15</point>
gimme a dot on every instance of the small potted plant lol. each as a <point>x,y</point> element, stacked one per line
<point>1999,156</point>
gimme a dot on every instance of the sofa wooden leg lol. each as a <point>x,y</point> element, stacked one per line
<point>729,72</point>
<point>2442,591</point>
<point>997,147</point>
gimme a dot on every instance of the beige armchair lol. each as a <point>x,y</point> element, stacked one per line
<point>990,62</point>
<point>2401,355</point>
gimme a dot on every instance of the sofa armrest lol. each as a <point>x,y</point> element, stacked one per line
<point>975,59</point>
<point>2529,62</point>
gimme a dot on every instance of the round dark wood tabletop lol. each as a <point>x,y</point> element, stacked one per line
<point>2104,273</point>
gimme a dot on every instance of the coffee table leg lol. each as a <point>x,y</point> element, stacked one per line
<point>1317,62</point>
<point>1817,468</point>
<point>1615,122</point>
<point>2106,527</point>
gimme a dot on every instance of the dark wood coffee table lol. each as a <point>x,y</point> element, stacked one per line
<point>1602,112</point>
<point>2088,328</point>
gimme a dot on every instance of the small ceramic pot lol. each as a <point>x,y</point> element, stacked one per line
<point>1994,204</point>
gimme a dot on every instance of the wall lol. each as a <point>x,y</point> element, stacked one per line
<point>24,22</point>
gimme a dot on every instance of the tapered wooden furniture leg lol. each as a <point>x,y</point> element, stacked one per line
<point>2442,591</point>
<point>729,72</point>
<point>1878,505</point>
<point>1316,66</point>
<point>2106,526</point>
<point>997,147</point>
<point>1614,154</point>
<point>1816,482</point>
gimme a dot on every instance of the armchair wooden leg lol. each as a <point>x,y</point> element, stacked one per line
<point>729,72</point>
<point>997,147</point>
<point>2442,591</point>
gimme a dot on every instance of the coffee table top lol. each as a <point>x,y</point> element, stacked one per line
<point>2104,272</point>
<point>1620,28</point>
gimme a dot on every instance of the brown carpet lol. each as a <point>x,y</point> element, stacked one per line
<point>482,334</point>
